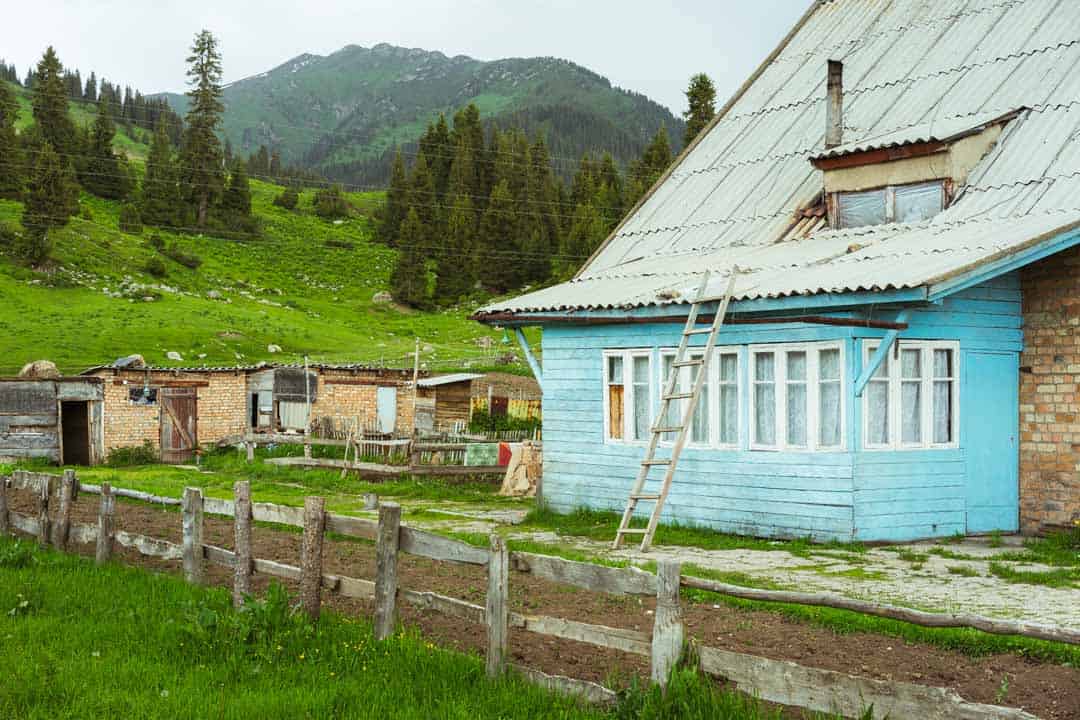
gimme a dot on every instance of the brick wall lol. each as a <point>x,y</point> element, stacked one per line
<point>222,407</point>
<point>348,395</point>
<point>1049,402</point>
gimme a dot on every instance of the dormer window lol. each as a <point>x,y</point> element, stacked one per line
<point>913,202</point>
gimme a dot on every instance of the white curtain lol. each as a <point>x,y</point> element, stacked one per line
<point>765,399</point>
<point>674,408</point>
<point>729,399</point>
<point>700,426</point>
<point>911,411</point>
<point>877,412</point>
<point>641,397</point>
<point>862,208</point>
<point>829,398</point>
<point>796,398</point>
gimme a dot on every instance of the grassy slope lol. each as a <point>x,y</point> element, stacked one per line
<point>324,308</point>
<point>129,140</point>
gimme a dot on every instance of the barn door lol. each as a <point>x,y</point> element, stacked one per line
<point>179,425</point>
<point>386,408</point>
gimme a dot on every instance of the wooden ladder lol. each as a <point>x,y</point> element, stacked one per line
<point>683,429</point>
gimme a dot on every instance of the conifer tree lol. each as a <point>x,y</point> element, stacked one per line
<point>103,173</point>
<point>654,161</point>
<point>236,203</point>
<point>409,281</point>
<point>201,159</point>
<point>50,107</point>
<point>587,230</point>
<point>701,101</point>
<point>496,249</point>
<point>160,191</point>
<point>455,276</point>
<point>90,92</point>
<point>397,203</point>
<point>12,170</point>
<point>275,164</point>
<point>50,200</point>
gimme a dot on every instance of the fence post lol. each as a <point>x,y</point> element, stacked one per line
<point>104,524</point>
<point>62,526</point>
<point>45,484</point>
<point>242,516</point>
<point>250,447</point>
<point>386,569</point>
<point>311,552</point>
<point>3,505</point>
<point>668,631</point>
<point>192,521</point>
<point>497,613</point>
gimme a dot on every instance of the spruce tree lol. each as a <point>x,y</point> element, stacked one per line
<point>397,203</point>
<point>236,203</point>
<point>409,281</point>
<point>12,171</point>
<point>201,158</point>
<point>159,204</point>
<point>90,92</point>
<point>50,107</point>
<point>587,230</point>
<point>50,200</point>
<point>654,161</point>
<point>103,173</point>
<point>701,101</point>
<point>455,276</point>
<point>496,251</point>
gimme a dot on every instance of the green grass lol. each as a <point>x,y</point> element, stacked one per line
<point>1061,549</point>
<point>1056,578</point>
<point>85,642</point>
<point>963,571</point>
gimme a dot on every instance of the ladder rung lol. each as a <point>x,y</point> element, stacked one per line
<point>645,497</point>
<point>679,396</point>
<point>698,331</point>
<point>657,461</point>
<point>688,363</point>
<point>633,531</point>
<point>666,430</point>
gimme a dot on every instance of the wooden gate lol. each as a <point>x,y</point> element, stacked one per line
<point>179,425</point>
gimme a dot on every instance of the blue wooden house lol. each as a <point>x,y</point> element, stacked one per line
<point>898,185</point>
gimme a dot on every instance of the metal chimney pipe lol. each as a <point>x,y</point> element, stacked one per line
<point>834,106</point>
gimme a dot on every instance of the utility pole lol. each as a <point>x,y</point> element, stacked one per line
<point>307,403</point>
<point>415,380</point>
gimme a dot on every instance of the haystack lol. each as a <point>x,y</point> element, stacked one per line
<point>42,369</point>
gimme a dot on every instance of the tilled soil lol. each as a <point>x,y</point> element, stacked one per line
<point>1047,690</point>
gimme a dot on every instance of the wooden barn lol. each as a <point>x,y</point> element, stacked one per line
<point>887,208</point>
<point>56,419</point>
<point>444,402</point>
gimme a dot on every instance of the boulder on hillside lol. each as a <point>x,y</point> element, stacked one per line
<point>174,356</point>
<point>273,349</point>
<point>382,298</point>
<point>130,362</point>
<point>43,369</point>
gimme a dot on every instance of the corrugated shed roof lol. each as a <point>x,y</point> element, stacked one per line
<point>245,368</point>
<point>448,379</point>
<point>913,70</point>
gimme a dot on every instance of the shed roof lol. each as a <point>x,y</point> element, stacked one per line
<point>912,68</point>
<point>448,379</point>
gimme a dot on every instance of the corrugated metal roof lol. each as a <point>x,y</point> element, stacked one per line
<point>913,70</point>
<point>245,368</point>
<point>933,131</point>
<point>448,379</point>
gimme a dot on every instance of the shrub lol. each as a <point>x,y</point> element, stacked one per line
<point>482,421</point>
<point>157,242</point>
<point>34,246</point>
<point>7,235</point>
<point>330,203</point>
<point>145,454</point>
<point>186,259</point>
<point>130,220</point>
<point>16,554</point>
<point>155,267</point>
<point>339,244</point>
<point>86,213</point>
<point>288,199</point>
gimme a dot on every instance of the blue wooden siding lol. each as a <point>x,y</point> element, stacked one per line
<point>849,494</point>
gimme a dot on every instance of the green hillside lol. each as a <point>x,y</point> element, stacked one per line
<point>307,286</point>
<point>342,114</point>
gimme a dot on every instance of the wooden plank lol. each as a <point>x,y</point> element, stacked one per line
<point>31,481</point>
<point>274,569</point>
<point>630,641</point>
<point>106,509</point>
<point>217,506</point>
<point>437,547</point>
<point>82,534</point>
<point>668,631</point>
<point>452,470</point>
<point>192,523</point>
<point>446,605</point>
<point>62,524</point>
<point>44,491</point>
<point>219,556</point>
<point>497,610</point>
<point>243,565</point>
<point>43,420</point>
<point>351,526</point>
<point>916,617</point>
<point>4,524</point>
<point>571,687</point>
<point>598,578</point>
<point>334,464</point>
<point>386,584</point>
<point>149,546</point>
<point>132,495</point>
<point>828,691</point>
<point>354,588</point>
<point>280,514</point>
<point>23,523</point>
<point>311,553</point>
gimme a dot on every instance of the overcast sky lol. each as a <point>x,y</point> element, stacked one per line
<point>650,47</point>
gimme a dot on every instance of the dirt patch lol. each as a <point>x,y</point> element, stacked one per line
<point>1048,690</point>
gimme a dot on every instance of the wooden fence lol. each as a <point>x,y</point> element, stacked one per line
<point>772,680</point>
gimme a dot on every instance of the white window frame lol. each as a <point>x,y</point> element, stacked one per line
<point>888,194</point>
<point>813,401</point>
<point>712,381</point>
<point>629,392</point>
<point>926,420</point>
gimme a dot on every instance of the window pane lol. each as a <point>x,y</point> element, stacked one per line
<point>729,368</point>
<point>729,414</point>
<point>943,363</point>
<point>883,369</point>
<point>796,365</point>
<point>641,397</point>
<point>911,411</point>
<point>829,410</point>
<point>615,412</point>
<point>943,425</point>
<point>763,366</point>
<point>765,413</point>
<point>796,414</point>
<point>615,372</point>
<point>829,365</point>
<point>911,364</point>
<point>700,426</point>
<point>877,413</point>
<point>862,208</point>
<point>674,408</point>
<point>915,203</point>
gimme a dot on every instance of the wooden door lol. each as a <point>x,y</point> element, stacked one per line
<point>179,425</point>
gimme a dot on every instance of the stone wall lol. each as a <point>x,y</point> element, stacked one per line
<point>1049,401</point>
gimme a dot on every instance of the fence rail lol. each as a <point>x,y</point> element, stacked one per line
<point>773,680</point>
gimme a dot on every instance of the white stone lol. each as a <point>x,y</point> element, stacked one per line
<point>273,348</point>
<point>174,356</point>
